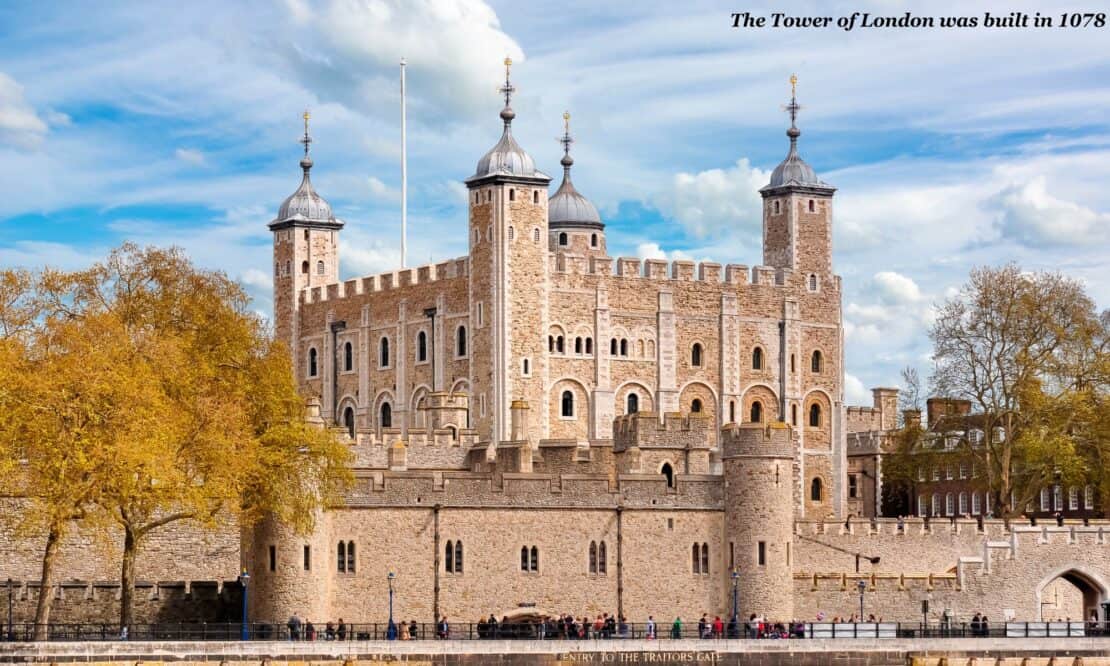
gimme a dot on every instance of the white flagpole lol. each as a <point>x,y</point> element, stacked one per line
<point>404,170</point>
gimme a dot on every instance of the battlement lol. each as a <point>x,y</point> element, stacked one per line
<point>677,430</point>
<point>398,279</point>
<point>659,270</point>
<point>775,439</point>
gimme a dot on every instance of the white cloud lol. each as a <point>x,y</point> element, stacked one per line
<point>379,191</point>
<point>256,278</point>
<point>190,156</point>
<point>1029,215</point>
<point>717,201</point>
<point>896,288</point>
<point>854,391</point>
<point>20,126</point>
<point>655,251</point>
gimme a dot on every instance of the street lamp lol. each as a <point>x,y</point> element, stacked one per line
<point>735,628</point>
<point>391,629</point>
<point>244,629</point>
<point>862,586</point>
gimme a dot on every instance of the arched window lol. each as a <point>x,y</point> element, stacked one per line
<point>536,235</point>
<point>815,362</point>
<point>624,347</point>
<point>567,404</point>
<point>341,558</point>
<point>815,415</point>
<point>449,557</point>
<point>349,421</point>
<point>350,557</point>
<point>793,415</point>
<point>383,356</point>
<point>593,240</point>
<point>756,415</point>
<point>815,490</point>
<point>563,238</point>
<point>421,346</point>
<point>319,267</point>
<point>633,404</point>
<point>668,472</point>
<point>559,343</point>
<point>312,366</point>
<point>613,347</point>
<point>458,557</point>
<point>512,194</point>
<point>460,341</point>
<point>304,267</point>
<point>963,504</point>
<point>732,411</point>
<point>757,358</point>
<point>695,355</point>
<point>526,367</point>
<point>705,559</point>
<point>535,196</point>
<point>695,559</point>
<point>551,344</point>
<point>535,564</point>
<point>935,505</point>
<point>695,406</point>
<point>813,282</point>
<point>792,363</point>
<point>589,345</point>
<point>601,566</point>
<point>386,416</point>
<point>593,557</point>
<point>578,345</point>
<point>348,357</point>
<point>949,504</point>
<point>524,558</point>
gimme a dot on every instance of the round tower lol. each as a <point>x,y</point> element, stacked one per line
<point>759,517</point>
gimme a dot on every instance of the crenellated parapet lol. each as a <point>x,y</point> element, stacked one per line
<point>392,280</point>
<point>773,440</point>
<point>643,430</point>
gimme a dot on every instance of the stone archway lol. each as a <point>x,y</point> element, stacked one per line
<point>1091,587</point>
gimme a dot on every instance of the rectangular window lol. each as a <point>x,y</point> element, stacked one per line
<point>948,472</point>
<point>853,486</point>
<point>963,504</point>
<point>731,556</point>
<point>936,474</point>
<point>920,473</point>
<point>963,470</point>
<point>976,507</point>
<point>1057,499</point>
<point>949,507</point>
<point>921,505</point>
<point>481,315</point>
<point>761,555</point>
<point>1073,498</point>
<point>482,404</point>
<point>670,524</point>
<point>1088,497</point>
<point>787,553</point>
<point>1044,499</point>
<point>307,558</point>
<point>273,558</point>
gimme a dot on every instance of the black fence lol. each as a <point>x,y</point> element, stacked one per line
<point>553,630</point>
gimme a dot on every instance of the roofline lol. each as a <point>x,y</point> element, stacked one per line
<point>331,225</point>
<point>568,224</point>
<point>539,179</point>
<point>820,190</point>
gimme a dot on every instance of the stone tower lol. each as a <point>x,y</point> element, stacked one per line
<point>797,212</point>
<point>759,471</point>
<point>508,282</point>
<point>306,252</point>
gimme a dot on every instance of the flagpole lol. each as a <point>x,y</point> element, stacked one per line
<point>404,170</point>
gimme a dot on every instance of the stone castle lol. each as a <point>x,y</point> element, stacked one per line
<point>541,429</point>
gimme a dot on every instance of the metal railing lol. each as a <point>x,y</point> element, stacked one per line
<point>262,631</point>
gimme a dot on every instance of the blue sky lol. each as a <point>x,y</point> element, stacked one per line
<point>178,124</point>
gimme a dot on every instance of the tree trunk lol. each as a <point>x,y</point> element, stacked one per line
<point>46,583</point>
<point>127,578</point>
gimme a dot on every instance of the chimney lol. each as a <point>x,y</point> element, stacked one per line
<point>312,412</point>
<point>886,401</point>
<point>518,422</point>
<point>937,409</point>
<point>911,418</point>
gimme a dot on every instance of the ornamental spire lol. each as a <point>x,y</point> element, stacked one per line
<point>793,108</point>
<point>566,140</point>
<point>306,161</point>
<point>507,90</point>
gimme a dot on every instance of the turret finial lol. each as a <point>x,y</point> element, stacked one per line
<point>566,140</point>
<point>507,90</point>
<point>793,108</point>
<point>306,161</point>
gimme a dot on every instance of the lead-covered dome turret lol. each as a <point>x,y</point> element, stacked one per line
<point>507,158</point>
<point>568,208</point>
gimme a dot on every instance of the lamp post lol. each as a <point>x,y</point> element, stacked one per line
<point>862,586</point>
<point>244,630</point>
<point>391,629</point>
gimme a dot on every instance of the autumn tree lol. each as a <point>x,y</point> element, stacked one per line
<point>222,427</point>
<point>1024,349</point>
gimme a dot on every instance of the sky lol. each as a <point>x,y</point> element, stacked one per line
<point>177,123</point>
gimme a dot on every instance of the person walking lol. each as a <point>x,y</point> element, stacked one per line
<point>341,632</point>
<point>413,630</point>
<point>703,627</point>
<point>649,630</point>
<point>443,630</point>
<point>294,626</point>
